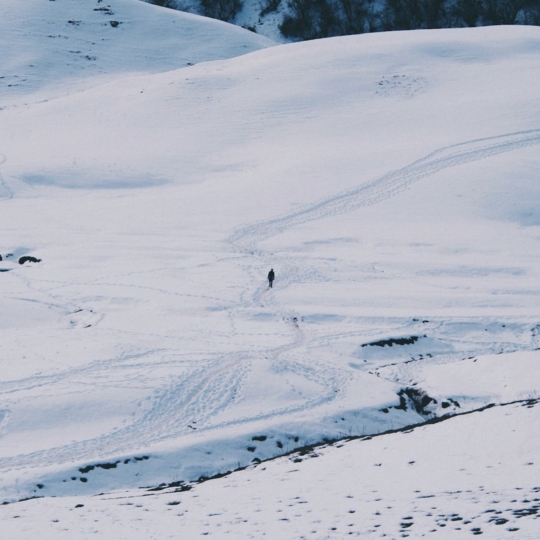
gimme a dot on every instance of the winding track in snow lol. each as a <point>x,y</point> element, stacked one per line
<point>386,186</point>
<point>207,390</point>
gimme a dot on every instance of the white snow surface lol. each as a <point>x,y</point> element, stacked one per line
<point>391,180</point>
<point>61,46</point>
<point>471,475</point>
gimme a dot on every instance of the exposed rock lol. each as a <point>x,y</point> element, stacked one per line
<point>28,258</point>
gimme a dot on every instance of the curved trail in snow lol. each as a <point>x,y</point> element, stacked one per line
<point>204,391</point>
<point>386,186</point>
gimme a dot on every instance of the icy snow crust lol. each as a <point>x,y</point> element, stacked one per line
<point>391,181</point>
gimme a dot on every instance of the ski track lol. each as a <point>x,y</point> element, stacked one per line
<point>199,394</point>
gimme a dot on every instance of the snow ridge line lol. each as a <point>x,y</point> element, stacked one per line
<point>387,185</point>
<point>310,448</point>
<point>410,427</point>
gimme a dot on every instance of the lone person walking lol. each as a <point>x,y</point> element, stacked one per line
<point>271,277</point>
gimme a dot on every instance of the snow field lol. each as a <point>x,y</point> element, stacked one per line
<point>59,47</point>
<point>471,475</point>
<point>389,179</point>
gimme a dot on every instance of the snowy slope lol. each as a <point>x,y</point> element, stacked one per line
<point>396,203</point>
<point>469,476</point>
<point>252,16</point>
<point>63,44</point>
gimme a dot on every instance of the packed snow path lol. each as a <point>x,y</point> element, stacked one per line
<point>387,185</point>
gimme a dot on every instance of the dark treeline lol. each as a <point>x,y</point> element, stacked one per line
<point>312,19</point>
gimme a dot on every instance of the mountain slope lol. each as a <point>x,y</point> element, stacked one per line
<point>59,42</point>
<point>469,476</point>
<point>391,197</point>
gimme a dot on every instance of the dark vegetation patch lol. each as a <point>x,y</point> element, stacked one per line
<point>498,521</point>
<point>105,466</point>
<point>181,486</point>
<point>308,449</point>
<point>415,397</point>
<point>393,341</point>
<point>419,399</point>
<point>260,438</point>
<point>522,512</point>
<point>271,6</point>
<point>29,498</point>
<point>530,403</point>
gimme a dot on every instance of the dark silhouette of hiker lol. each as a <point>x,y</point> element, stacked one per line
<point>271,277</point>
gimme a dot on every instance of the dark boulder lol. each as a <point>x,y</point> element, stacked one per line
<point>27,258</point>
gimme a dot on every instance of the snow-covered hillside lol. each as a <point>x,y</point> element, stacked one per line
<point>58,46</point>
<point>391,181</point>
<point>469,476</point>
<point>263,17</point>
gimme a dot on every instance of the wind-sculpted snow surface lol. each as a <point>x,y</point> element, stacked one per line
<point>141,345</point>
